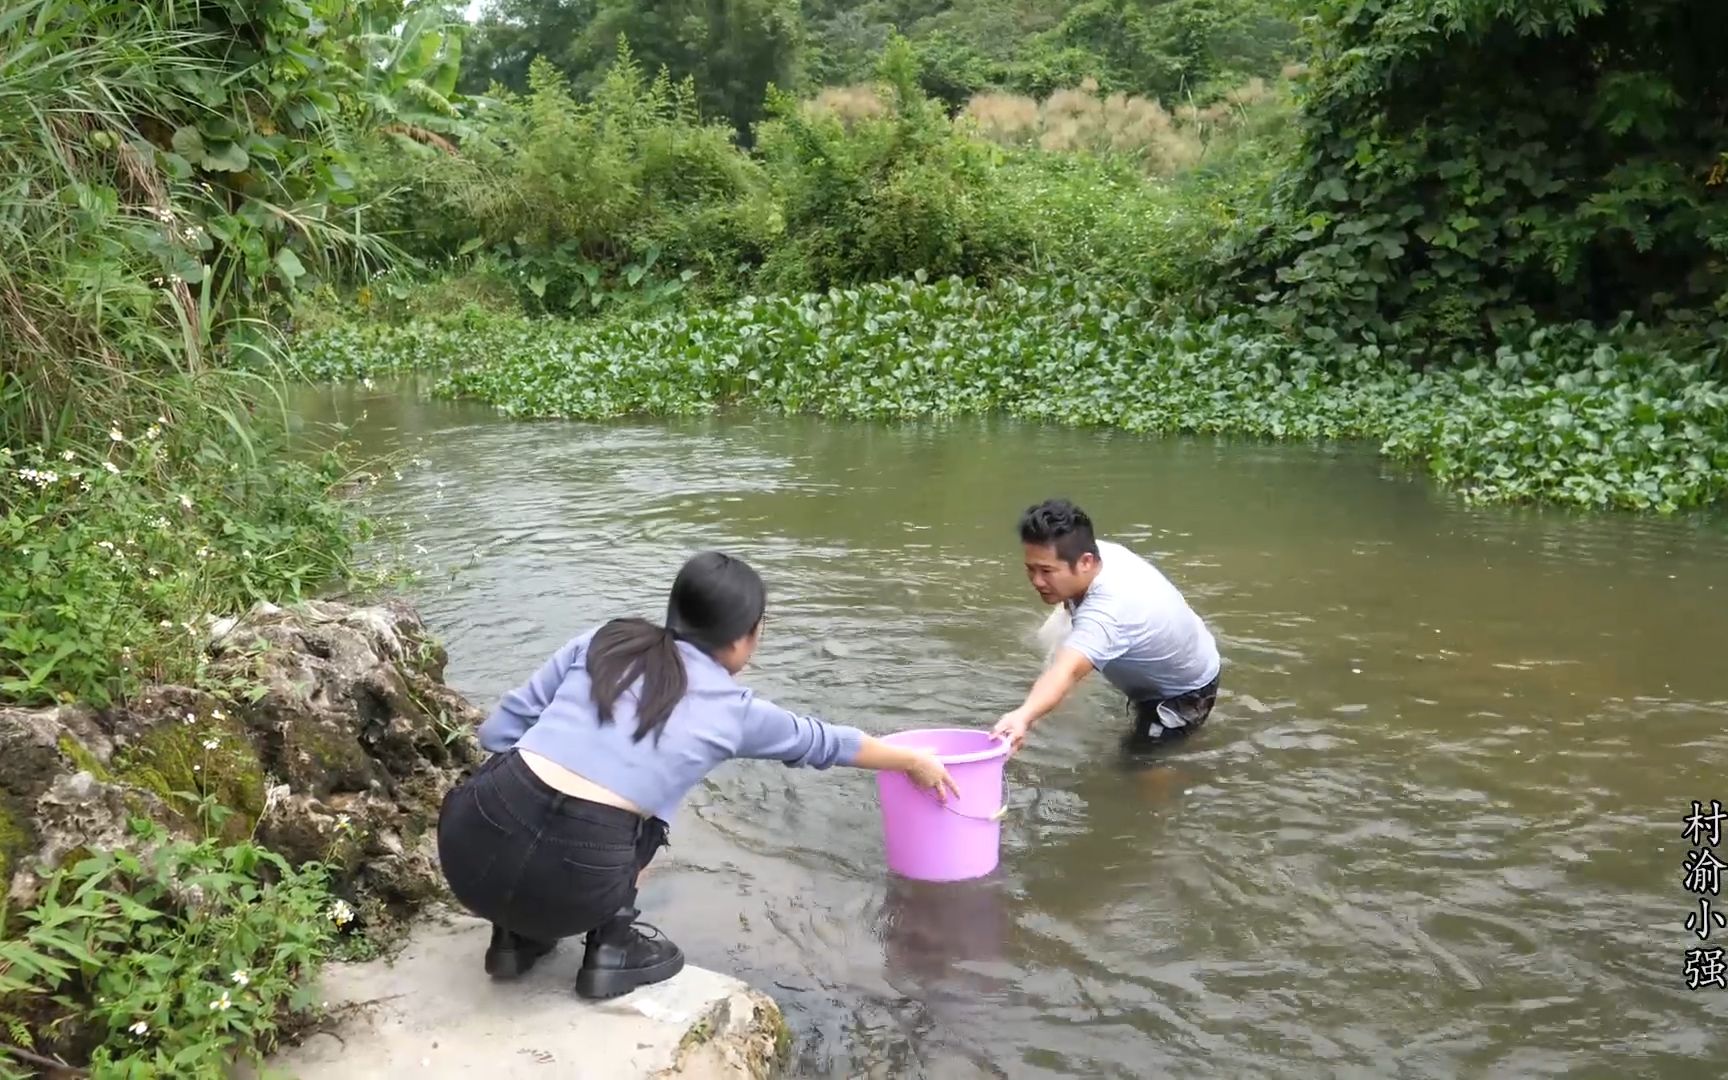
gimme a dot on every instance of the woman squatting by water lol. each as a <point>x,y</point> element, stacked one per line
<point>592,755</point>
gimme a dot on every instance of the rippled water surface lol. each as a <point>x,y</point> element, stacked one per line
<point>1434,828</point>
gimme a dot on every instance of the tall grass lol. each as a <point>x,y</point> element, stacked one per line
<point>93,329</point>
<point>145,476</point>
<point>1081,120</point>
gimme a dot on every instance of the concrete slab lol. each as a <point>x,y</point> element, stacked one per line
<point>431,1011</point>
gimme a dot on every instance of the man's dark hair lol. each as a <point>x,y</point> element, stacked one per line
<point>1061,525</point>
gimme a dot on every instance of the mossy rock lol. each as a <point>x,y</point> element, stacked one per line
<point>25,771</point>
<point>176,762</point>
<point>16,839</point>
<point>314,754</point>
<point>83,760</point>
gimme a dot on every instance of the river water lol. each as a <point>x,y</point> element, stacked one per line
<point>1434,828</point>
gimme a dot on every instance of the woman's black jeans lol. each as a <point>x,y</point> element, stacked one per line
<point>536,862</point>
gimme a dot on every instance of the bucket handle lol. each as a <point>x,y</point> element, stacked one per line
<point>995,815</point>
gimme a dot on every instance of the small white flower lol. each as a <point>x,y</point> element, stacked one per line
<point>190,718</point>
<point>240,978</point>
<point>152,432</point>
<point>197,768</point>
<point>140,1029</point>
<point>163,420</point>
<point>159,521</point>
<point>68,456</point>
<point>115,434</point>
<point>153,572</point>
<point>111,467</point>
<point>340,913</point>
<point>186,502</point>
<point>107,545</point>
<point>216,714</point>
<point>211,744</point>
<point>166,625</point>
<point>342,822</point>
<point>221,1004</point>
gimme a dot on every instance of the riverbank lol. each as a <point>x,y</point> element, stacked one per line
<point>427,1010</point>
<point>181,865</point>
<point>1573,416</point>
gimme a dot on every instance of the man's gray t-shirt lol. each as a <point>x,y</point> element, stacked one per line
<point>1138,631</point>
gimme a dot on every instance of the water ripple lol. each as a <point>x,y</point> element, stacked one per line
<point>1433,829</point>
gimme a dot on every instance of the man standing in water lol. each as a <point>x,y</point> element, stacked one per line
<point>1128,622</point>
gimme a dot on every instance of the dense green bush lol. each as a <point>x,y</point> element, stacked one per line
<point>621,199</point>
<point>171,175</point>
<point>886,192</point>
<point>1593,419</point>
<point>1573,170</point>
<point>1096,214</point>
<point>174,173</point>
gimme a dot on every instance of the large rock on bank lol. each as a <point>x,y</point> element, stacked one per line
<point>334,737</point>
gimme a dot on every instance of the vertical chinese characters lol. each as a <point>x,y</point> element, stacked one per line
<point>1702,876</point>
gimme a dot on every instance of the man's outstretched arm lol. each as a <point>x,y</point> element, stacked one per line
<point>1065,672</point>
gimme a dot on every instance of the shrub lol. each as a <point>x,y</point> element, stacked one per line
<point>173,965</point>
<point>1574,172</point>
<point>874,193</point>
<point>622,199</point>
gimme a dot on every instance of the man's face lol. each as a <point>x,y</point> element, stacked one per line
<point>1052,578</point>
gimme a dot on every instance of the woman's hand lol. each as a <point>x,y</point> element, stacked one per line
<point>931,775</point>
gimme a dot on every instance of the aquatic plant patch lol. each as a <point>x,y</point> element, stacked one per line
<point>1573,416</point>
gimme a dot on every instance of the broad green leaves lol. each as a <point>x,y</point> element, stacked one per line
<point>1564,173</point>
<point>1594,420</point>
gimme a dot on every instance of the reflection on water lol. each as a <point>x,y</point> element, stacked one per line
<point>1433,828</point>
<point>946,938</point>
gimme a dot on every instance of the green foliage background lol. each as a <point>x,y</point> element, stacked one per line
<point>1488,235</point>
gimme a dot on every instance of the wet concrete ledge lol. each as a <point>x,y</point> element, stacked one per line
<point>430,1011</point>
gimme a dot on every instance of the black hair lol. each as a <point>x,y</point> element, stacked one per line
<point>1060,524</point>
<point>716,599</point>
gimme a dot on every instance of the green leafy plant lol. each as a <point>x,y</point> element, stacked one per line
<point>1567,175</point>
<point>176,963</point>
<point>888,192</point>
<point>114,558</point>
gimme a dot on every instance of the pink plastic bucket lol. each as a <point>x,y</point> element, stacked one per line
<point>929,841</point>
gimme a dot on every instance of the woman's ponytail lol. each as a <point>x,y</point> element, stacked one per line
<point>625,649</point>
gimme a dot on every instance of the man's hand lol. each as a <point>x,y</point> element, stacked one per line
<point>1013,726</point>
<point>1064,673</point>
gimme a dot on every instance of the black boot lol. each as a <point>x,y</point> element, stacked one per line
<point>511,955</point>
<point>623,955</point>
